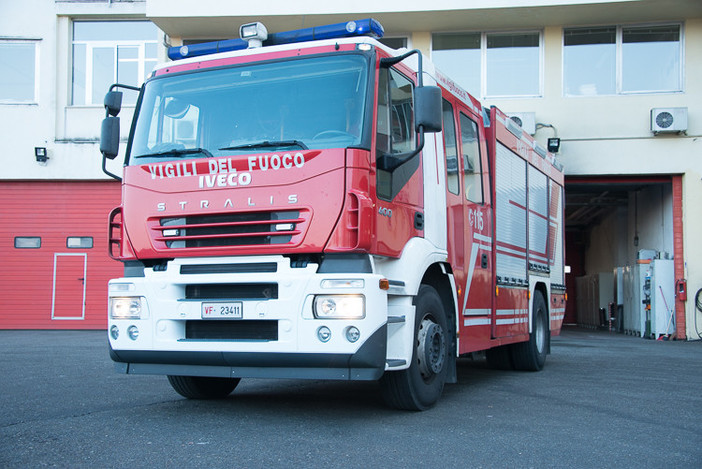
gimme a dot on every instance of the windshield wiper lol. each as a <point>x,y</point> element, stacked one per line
<point>268,144</point>
<point>177,152</point>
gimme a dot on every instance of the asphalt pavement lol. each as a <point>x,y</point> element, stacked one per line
<point>602,400</point>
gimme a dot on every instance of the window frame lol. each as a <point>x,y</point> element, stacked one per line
<point>80,238</point>
<point>405,37</point>
<point>474,175</point>
<point>452,185</point>
<point>114,45</point>
<point>394,180</point>
<point>37,63</point>
<point>483,60</point>
<point>26,239</point>
<point>619,59</point>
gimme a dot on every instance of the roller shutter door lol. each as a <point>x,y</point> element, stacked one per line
<point>53,246</point>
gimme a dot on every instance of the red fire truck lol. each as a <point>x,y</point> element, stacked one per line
<point>314,204</point>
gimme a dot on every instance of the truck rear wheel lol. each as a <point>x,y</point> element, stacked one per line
<point>531,355</point>
<point>419,386</point>
<point>200,387</point>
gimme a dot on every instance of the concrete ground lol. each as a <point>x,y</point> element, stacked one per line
<point>603,400</point>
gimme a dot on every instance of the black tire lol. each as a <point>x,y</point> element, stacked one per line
<point>531,355</point>
<point>420,386</point>
<point>200,387</point>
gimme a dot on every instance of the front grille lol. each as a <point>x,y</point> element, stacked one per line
<point>234,291</point>
<point>230,229</point>
<point>260,267</point>
<point>231,330</point>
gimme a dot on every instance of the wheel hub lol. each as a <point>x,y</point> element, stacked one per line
<point>431,348</point>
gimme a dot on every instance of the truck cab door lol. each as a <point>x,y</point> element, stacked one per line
<point>478,297</point>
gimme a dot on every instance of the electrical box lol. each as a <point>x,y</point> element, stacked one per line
<point>649,298</point>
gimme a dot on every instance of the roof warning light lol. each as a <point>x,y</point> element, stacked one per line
<point>256,35</point>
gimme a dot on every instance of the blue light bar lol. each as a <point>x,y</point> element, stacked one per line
<point>206,48</point>
<point>367,27</point>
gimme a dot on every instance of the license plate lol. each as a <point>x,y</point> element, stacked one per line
<point>229,310</point>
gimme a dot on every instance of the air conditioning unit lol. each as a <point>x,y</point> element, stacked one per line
<point>668,120</point>
<point>525,120</point>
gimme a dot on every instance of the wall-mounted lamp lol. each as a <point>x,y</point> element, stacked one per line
<point>40,154</point>
<point>554,144</point>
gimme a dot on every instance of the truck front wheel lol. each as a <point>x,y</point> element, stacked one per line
<point>419,386</point>
<point>200,387</point>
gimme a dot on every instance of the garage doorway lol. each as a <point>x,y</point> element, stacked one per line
<point>611,222</point>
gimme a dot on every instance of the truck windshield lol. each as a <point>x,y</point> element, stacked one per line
<point>311,103</point>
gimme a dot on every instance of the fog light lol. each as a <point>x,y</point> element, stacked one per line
<point>324,334</point>
<point>114,332</point>
<point>133,332</point>
<point>352,334</point>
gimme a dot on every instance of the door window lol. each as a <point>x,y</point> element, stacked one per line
<point>470,151</point>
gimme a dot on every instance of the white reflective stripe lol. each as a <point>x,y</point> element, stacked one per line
<point>484,247</point>
<point>471,269</point>
<point>476,312</point>
<point>479,237</point>
<point>512,312</point>
<point>502,322</point>
<point>476,322</point>
<point>520,316</point>
<point>557,314</point>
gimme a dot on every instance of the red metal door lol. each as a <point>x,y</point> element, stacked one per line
<point>69,286</point>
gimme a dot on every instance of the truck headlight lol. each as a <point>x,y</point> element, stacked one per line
<point>339,307</point>
<point>128,308</point>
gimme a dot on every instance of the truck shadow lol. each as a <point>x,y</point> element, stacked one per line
<point>320,397</point>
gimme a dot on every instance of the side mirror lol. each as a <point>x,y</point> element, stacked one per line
<point>109,133</point>
<point>427,108</point>
<point>113,102</point>
<point>109,137</point>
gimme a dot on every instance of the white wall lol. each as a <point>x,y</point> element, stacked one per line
<point>25,126</point>
<point>69,133</point>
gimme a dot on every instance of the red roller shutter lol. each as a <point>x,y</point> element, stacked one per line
<point>54,283</point>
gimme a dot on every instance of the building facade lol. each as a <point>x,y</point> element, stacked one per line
<point>617,81</point>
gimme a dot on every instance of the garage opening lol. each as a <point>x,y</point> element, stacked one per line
<point>623,250</point>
